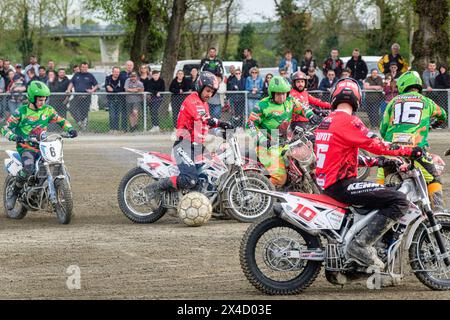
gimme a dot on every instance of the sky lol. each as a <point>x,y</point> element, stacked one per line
<point>253,9</point>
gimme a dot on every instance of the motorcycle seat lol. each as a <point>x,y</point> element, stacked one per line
<point>320,198</point>
<point>362,210</point>
<point>164,156</point>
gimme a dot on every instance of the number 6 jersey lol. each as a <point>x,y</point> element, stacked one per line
<point>338,139</point>
<point>410,113</point>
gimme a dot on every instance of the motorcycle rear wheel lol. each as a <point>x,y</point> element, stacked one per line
<point>133,201</point>
<point>263,274</point>
<point>423,256</point>
<point>19,211</point>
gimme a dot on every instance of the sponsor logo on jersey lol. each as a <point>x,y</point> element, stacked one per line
<point>32,118</point>
<point>323,136</point>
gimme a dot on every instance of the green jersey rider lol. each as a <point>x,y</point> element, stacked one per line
<point>270,115</point>
<point>407,121</point>
<point>30,120</point>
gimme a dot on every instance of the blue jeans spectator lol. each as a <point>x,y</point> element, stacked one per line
<point>155,103</point>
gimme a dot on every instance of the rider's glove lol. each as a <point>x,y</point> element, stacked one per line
<point>384,162</point>
<point>416,153</point>
<point>321,113</point>
<point>437,124</point>
<point>225,125</point>
<point>212,122</point>
<point>315,119</point>
<point>73,133</point>
<point>18,139</point>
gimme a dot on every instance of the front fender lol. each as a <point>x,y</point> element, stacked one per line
<point>416,225</point>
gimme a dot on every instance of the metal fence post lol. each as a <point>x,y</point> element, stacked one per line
<point>145,111</point>
<point>448,108</point>
<point>246,107</point>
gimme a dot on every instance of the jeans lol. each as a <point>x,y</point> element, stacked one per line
<point>155,103</point>
<point>215,110</point>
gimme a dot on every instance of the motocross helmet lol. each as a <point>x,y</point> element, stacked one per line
<point>299,75</point>
<point>408,81</point>
<point>37,89</point>
<point>206,79</point>
<point>278,84</point>
<point>346,90</point>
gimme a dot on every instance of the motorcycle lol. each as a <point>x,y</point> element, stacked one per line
<point>284,254</point>
<point>300,161</point>
<point>48,188</point>
<point>223,178</point>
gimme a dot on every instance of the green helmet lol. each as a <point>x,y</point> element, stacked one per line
<point>409,80</point>
<point>37,89</point>
<point>278,84</point>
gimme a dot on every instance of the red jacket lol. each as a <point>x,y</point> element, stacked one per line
<point>306,98</point>
<point>338,138</point>
<point>193,118</point>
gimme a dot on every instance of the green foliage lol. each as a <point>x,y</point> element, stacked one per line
<point>294,33</point>
<point>77,60</point>
<point>379,41</point>
<point>246,40</point>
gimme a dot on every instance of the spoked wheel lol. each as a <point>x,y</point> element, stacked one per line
<point>248,206</point>
<point>133,200</point>
<point>19,211</point>
<point>425,258</point>
<point>64,205</point>
<point>270,257</point>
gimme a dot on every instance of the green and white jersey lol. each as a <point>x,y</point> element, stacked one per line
<point>407,118</point>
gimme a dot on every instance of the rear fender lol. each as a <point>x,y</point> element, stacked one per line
<point>158,168</point>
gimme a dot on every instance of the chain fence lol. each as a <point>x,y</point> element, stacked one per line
<point>143,112</point>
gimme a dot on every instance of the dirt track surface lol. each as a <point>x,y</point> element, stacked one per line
<point>119,259</point>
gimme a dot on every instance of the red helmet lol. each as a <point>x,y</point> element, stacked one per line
<point>346,90</point>
<point>299,75</point>
<point>206,79</point>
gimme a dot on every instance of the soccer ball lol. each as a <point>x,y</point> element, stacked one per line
<point>194,209</point>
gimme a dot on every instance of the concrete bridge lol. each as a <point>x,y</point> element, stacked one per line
<point>109,35</point>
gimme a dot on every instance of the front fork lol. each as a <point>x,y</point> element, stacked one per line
<point>51,185</point>
<point>435,229</point>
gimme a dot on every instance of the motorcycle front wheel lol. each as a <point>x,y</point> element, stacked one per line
<point>269,257</point>
<point>425,258</point>
<point>19,211</point>
<point>134,202</point>
<point>64,205</point>
<point>248,206</point>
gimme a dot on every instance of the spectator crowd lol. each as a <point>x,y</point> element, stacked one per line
<point>238,93</point>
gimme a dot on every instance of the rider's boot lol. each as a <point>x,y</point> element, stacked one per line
<point>361,248</point>
<point>155,188</point>
<point>436,196</point>
<point>13,194</point>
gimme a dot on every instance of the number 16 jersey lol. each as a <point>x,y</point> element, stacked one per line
<point>410,113</point>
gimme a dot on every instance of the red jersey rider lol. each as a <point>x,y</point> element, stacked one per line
<point>299,91</point>
<point>338,138</point>
<point>193,124</point>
